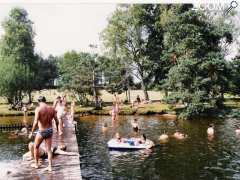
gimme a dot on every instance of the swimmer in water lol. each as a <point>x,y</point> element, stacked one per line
<point>179,135</point>
<point>104,127</point>
<point>237,131</point>
<point>210,130</point>
<point>135,125</point>
<point>163,137</point>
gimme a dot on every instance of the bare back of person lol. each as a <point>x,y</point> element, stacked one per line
<point>45,115</point>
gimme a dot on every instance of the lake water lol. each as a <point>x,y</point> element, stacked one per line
<point>12,147</point>
<point>197,157</point>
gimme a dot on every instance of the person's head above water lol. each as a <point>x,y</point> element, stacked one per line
<point>105,125</point>
<point>211,125</point>
<point>41,99</point>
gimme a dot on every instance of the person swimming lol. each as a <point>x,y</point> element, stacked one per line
<point>179,135</point>
<point>210,130</point>
<point>104,127</point>
<point>163,137</point>
<point>237,131</point>
<point>135,125</point>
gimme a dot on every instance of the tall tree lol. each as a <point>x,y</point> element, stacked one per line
<point>199,76</point>
<point>17,50</point>
<point>76,71</point>
<point>116,76</point>
<point>131,35</point>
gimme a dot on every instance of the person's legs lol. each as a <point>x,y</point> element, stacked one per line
<point>48,144</point>
<point>31,149</point>
<point>113,116</point>
<point>60,126</point>
<point>37,143</point>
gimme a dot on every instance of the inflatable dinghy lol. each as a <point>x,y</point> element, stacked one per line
<point>113,144</point>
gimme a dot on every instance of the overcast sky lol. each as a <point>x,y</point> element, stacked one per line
<point>62,27</point>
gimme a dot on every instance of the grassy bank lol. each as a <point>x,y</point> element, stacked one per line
<point>4,111</point>
<point>145,109</point>
<point>231,109</point>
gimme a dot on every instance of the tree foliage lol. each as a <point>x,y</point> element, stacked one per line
<point>76,73</point>
<point>200,75</point>
<point>132,37</point>
<point>18,62</point>
<point>22,70</point>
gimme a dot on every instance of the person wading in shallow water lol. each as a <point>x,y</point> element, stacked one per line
<point>43,119</point>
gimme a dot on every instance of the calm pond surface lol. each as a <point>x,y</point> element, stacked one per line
<point>12,147</point>
<point>197,157</point>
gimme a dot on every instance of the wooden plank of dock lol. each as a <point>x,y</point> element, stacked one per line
<point>64,167</point>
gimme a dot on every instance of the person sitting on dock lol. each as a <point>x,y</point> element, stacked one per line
<point>179,135</point>
<point>44,115</point>
<point>43,153</point>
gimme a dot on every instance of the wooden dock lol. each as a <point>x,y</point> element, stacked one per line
<point>64,167</point>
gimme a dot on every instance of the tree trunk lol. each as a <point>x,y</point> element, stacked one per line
<point>10,100</point>
<point>126,94</point>
<point>30,97</point>
<point>94,89</point>
<point>129,96</point>
<point>222,95</point>
<point>166,92</point>
<point>146,97</point>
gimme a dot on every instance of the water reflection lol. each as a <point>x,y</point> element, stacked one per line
<point>196,157</point>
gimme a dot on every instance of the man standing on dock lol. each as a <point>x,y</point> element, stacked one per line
<point>43,119</point>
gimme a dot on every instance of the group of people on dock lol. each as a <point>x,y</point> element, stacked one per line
<point>43,120</point>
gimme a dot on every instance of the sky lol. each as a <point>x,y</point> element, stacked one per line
<point>62,27</point>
